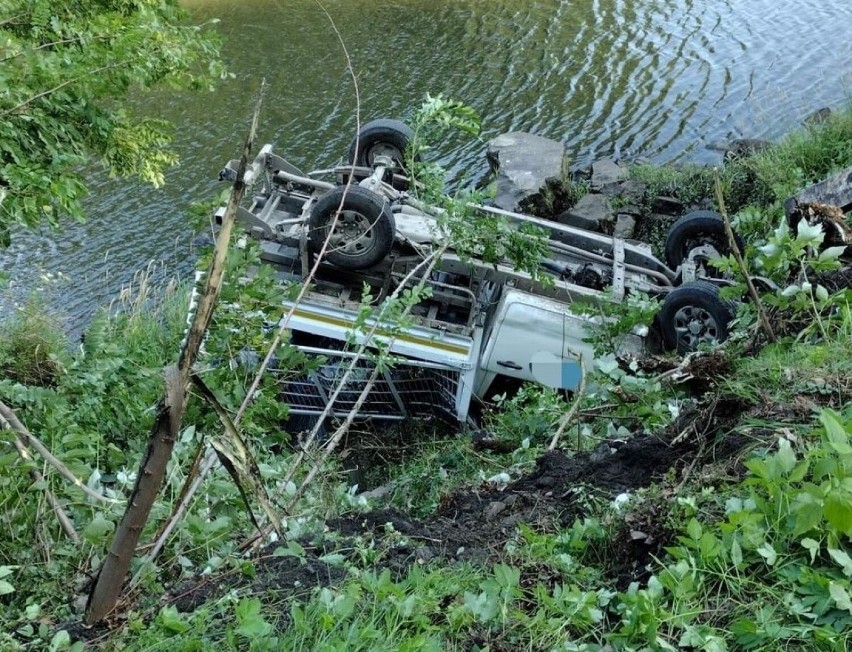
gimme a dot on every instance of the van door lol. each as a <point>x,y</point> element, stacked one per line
<point>537,339</point>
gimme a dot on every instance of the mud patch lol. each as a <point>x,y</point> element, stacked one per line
<point>281,577</point>
<point>615,466</point>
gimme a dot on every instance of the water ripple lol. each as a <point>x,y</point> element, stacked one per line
<point>656,78</point>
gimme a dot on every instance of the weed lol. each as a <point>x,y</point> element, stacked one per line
<point>33,348</point>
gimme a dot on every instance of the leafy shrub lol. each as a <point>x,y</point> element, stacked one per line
<point>33,348</point>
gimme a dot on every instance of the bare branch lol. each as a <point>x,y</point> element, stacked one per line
<point>8,419</point>
<point>107,585</point>
<point>569,416</point>
<point>58,87</point>
<point>732,243</point>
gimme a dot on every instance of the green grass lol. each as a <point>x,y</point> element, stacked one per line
<point>33,347</point>
<point>765,179</point>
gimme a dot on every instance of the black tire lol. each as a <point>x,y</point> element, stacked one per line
<point>693,230</point>
<point>388,137</point>
<point>364,231</point>
<point>693,314</point>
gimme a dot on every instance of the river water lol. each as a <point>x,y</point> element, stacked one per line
<point>661,79</point>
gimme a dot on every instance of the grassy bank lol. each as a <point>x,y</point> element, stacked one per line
<point>707,510</point>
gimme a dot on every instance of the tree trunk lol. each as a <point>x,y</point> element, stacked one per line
<point>152,470</point>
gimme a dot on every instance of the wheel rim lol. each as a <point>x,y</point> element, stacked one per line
<point>694,325</point>
<point>385,149</point>
<point>353,234</point>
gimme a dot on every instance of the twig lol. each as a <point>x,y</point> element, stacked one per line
<point>732,243</point>
<point>566,419</point>
<point>9,420</point>
<point>61,516</point>
<point>691,466</point>
<point>76,39</point>
<point>58,87</point>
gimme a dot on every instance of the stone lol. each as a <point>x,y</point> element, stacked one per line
<point>606,175</point>
<point>379,493</point>
<point>590,212</point>
<point>667,205</point>
<point>511,521</point>
<point>524,165</point>
<point>424,554</point>
<point>745,147</point>
<point>510,500</point>
<point>818,117</point>
<point>632,191</point>
<point>739,147</point>
<point>630,209</point>
<point>625,225</point>
<point>494,509</point>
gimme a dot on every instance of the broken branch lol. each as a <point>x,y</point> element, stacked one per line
<point>735,250</point>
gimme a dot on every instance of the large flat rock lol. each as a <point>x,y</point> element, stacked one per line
<point>524,165</point>
<point>590,212</point>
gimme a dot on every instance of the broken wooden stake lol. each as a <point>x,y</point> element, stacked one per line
<point>107,585</point>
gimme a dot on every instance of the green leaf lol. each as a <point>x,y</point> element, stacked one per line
<point>694,529</point>
<point>809,234</point>
<point>837,509</point>
<point>835,433</point>
<point>293,549</point>
<point>171,619</point>
<point>251,623</point>
<point>736,553</point>
<point>840,596</point>
<point>812,546</point>
<point>60,641</point>
<point>333,559</point>
<point>768,553</point>
<point>785,456</point>
<point>842,559</point>
<point>98,529</point>
<point>807,510</point>
<point>6,588</point>
<point>832,253</point>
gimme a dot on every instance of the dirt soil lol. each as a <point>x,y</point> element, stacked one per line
<point>475,524</point>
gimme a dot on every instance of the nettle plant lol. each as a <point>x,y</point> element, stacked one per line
<point>774,572</point>
<point>792,260</point>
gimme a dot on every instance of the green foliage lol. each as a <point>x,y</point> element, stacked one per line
<point>528,416</point>
<point>690,184</point>
<point>763,180</point>
<point>804,157</point>
<point>472,233</point>
<point>794,262</point>
<point>65,67</point>
<point>33,350</point>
